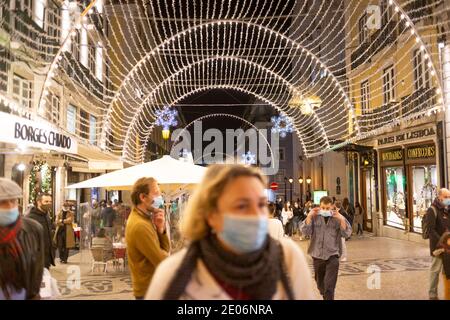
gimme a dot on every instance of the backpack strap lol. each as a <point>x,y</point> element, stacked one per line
<point>285,279</point>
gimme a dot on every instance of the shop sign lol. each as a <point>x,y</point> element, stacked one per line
<point>422,152</point>
<point>35,134</point>
<point>407,136</point>
<point>392,155</point>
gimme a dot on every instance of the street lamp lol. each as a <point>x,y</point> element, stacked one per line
<point>290,181</point>
<point>300,182</point>
<point>308,182</point>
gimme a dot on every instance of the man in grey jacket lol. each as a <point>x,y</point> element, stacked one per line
<point>326,226</point>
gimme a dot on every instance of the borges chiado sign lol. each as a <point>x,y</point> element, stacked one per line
<point>37,134</point>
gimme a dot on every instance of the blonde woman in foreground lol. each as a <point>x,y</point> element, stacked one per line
<point>230,255</point>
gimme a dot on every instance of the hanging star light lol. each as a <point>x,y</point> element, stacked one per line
<point>282,125</point>
<point>249,158</point>
<point>166,118</point>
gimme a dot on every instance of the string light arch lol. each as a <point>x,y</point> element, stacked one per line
<point>282,37</point>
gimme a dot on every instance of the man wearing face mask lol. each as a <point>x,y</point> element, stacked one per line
<point>21,242</point>
<point>325,225</point>
<point>147,240</point>
<point>40,213</point>
<point>435,222</point>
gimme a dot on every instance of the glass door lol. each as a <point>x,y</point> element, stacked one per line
<point>370,206</point>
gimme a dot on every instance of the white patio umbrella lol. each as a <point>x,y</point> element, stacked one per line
<point>172,176</point>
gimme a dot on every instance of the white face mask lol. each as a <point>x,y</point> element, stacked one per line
<point>325,213</point>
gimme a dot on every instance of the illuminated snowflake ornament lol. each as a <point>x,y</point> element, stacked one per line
<point>282,125</point>
<point>166,118</point>
<point>249,158</point>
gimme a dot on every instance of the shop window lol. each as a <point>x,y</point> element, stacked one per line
<point>71,119</point>
<point>22,91</point>
<point>395,197</point>
<point>424,184</point>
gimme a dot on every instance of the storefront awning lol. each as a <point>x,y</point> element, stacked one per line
<point>98,161</point>
<point>351,147</point>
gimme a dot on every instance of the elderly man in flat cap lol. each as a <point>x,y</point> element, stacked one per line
<point>21,248</point>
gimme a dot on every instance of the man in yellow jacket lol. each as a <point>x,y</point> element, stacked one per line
<point>146,236</point>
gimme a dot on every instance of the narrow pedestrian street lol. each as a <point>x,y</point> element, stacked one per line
<point>404,269</point>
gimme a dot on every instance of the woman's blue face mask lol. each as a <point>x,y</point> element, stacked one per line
<point>243,233</point>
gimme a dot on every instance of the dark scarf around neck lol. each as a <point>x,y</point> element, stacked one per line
<point>11,265</point>
<point>256,273</point>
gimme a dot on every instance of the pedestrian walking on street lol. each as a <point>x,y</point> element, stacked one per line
<point>21,244</point>
<point>297,217</point>
<point>276,229</point>
<point>349,210</point>
<point>287,215</point>
<point>40,213</point>
<point>64,235</point>
<point>434,223</point>
<point>95,217</point>
<point>359,216</point>
<point>326,226</point>
<point>230,255</point>
<point>108,217</point>
<point>341,210</point>
<point>146,234</point>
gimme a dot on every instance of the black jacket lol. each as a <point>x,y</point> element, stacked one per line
<point>438,225</point>
<point>31,239</point>
<point>44,221</point>
<point>108,216</point>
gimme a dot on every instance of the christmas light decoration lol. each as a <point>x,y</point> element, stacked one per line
<point>166,118</point>
<point>158,52</point>
<point>282,125</point>
<point>248,158</point>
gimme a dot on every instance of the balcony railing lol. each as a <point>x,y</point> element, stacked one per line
<point>360,55</point>
<point>417,9</point>
<point>81,74</point>
<point>417,101</point>
<point>383,37</point>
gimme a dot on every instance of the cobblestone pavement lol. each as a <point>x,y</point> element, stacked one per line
<point>402,265</point>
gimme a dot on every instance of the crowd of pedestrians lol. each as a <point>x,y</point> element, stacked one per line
<point>237,244</point>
